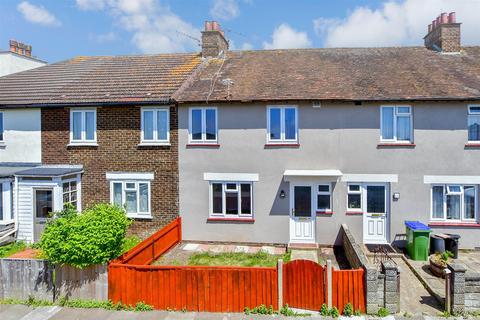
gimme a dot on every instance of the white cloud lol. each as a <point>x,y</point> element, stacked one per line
<point>247,46</point>
<point>155,29</point>
<point>37,14</point>
<point>285,37</point>
<point>103,37</point>
<point>397,23</point>
<point>224,9</point>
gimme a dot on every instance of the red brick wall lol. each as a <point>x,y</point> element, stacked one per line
<point>118,136</point>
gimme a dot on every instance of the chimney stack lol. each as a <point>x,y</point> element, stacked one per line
<point>20,48</point>
<point>214,42</point>
<point>444,34</point>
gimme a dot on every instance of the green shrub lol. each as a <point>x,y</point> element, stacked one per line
<point>348,310</point>
<point>324,310</point>
<point>11,248</point>
<point>130,243</point>
<point>142,307</point>
<point>357,313</point>
<point>94,237</point>
<point>383,312</point>
<point>334,312</point>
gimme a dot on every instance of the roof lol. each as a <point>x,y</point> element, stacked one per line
<point>100,80</point>
<point>8,169</point>
<point>33,58</point>
<point>50,171</point>
<point>368,74</point>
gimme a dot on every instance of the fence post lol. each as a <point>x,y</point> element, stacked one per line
<point>280,283</point>
<point>457,291</point>
<point>329,284</point>
<point>448,297</point>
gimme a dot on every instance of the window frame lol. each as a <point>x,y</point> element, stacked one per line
<point>471,114</point>
<point>324,193</point>
<point>224,215</point>
<point>138,214</point>
<point>282,139</point>
<point>2,127</point>
<point>69,181</point>
<point>83,140</point>
<point>462,203</point>
<point>155,140</point>
<point>359,192</point>
<point>204,139</point>
<point>396,114</point>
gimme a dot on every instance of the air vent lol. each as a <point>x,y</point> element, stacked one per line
<point>316,104</point>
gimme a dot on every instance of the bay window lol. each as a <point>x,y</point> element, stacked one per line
<point>203,125</point>
<point>83,126</point>
<point>474,123</point>
<point>231,199</point>
<point>155,125</point>
<point>396,124</point>
<point>454,202</point>
<point>282,124</point>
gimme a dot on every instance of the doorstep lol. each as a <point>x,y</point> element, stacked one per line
<point>303,246</point>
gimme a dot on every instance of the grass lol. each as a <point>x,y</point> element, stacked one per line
<point>130,243</point>
<point>11,248</point>
<point>242,259</point>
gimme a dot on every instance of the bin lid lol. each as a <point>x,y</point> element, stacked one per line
<point>417,225</point>
<point>453,236</point>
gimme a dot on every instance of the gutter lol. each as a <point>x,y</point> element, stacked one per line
<point>168,101</point>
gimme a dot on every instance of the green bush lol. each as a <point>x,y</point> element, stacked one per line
<point>383,312</point>
<point>9,249</point>
<point>94,237</point>
<point>324,310</point>
<point>348,310</point>
<point>130,243</point>
<point>334,312</point>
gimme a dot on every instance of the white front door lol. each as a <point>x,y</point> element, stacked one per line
<point>302,217</point>
<point>375,218</point>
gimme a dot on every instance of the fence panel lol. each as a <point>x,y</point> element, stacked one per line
<point>304,284</point>
<point>88,283</point>
<point>215,289</point>
<point>348,287</point>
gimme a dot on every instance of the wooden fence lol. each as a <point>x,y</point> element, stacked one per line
<point>348,287</point>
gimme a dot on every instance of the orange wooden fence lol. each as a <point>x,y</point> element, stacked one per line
<point>304,284</point>
<point>348,287</point>
<point>214,289</point>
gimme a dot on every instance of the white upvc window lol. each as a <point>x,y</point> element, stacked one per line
<point>396,124</point>
<point>473,123</point>
<point>83,126</point>
<point>155,126</point>
<point>6,201</point>
<point>231,199</point>
<point>454,203</point>
<point>354,197</point>
<point>1,128</point>
<point>282,124</point>
<point>70,193</point>
<point>203,125</point>
<point>132,195</point>
<point>324,198</point>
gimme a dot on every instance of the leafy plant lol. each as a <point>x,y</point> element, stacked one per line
<point>383,312</point>
<point>324,310</point>
<point>357,313</point>
<point>286,311</point>
<point>108,305</point>
<point>333,312</point>
<point>348,310</point>
<point>142,307</point>
<point>94,237</point>
<point>130,243</point>
<point>446,256</point>
<point>445,314</point>
<point>11,248</point>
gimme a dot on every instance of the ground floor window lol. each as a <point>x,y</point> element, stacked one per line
<point>354,197</point>
<point>134,196</point>
<point>454,202</point>
<point>70,193</point>
<point>231,199</point>
<point>324,198</point>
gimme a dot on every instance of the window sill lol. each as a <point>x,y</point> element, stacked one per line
<point>138,217</point>
<point>473,145</point>
<point>324,213</point>
<point>6,222</point>
<point>395,145</point>
<point>354,213</point>
<point>203,145</point>
<point>82,144</point>
<point>241,220</point>
<point>455,224</point>
<point>154,144</point>
<point>281,145</point>
<point>2,145</point>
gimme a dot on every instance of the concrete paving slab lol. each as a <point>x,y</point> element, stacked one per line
<point>13,312</point>
<point>298,254</point>
<point>81,314</point>
<point>41,313</point>
<point>190,247</point>
<point>241,249</point>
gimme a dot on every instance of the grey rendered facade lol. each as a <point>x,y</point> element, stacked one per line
<point>340,136</point>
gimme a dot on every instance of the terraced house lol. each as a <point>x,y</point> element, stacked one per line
<point>267,146</point>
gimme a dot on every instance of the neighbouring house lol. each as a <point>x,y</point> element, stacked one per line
<point>95,129</point>
<point>18,58</point>
<point>283,146</point>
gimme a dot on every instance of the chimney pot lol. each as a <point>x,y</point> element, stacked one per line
<point>439,21</point>
<point>434,24</point>
<point>452,18</point>
<point>430,28</point>
<point>213,40</point>
<point>444,17</point>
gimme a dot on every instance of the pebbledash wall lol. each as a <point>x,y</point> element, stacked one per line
<point>118,150</point>
<point>335,136</point>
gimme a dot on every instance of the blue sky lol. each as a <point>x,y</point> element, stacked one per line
<point>61,29</point>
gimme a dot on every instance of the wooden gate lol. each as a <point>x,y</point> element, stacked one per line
<point>304,285</point>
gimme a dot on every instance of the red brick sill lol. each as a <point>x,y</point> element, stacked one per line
<point>453,224</point>
<point>230,220</point>
<point>354,213</point>
<point>324,213</point>
<point>281,145</point>
<point>396,145</point>
<point>203,145</point>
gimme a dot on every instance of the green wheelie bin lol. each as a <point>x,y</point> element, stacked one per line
<point>418,240</point>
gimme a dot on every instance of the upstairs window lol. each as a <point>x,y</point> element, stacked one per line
<point>1,126</point>
<point>231,200</point>
<point>282,124</point>
<point>396,124</point>
<point>203,125</point>
<point>454,202</point>
<point>155,125</point>
<point>83,126</point>
<point>474,123</point>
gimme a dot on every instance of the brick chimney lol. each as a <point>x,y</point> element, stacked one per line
<point>444,34</point>
<point>214,42</point>
<point>20,48</point>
